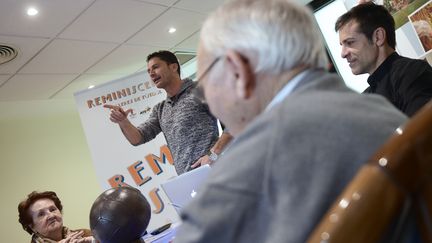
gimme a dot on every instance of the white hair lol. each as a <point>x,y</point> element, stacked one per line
<point>278,34</point>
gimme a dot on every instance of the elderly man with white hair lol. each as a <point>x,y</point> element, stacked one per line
<point>301,134</point>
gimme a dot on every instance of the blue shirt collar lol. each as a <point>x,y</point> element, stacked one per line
<point>286,90</point>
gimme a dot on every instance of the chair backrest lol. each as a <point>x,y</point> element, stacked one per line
<point>400,169</point>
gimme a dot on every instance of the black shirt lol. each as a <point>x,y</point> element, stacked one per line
<point>405,82</point>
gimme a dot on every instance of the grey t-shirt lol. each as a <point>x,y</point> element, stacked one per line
<point>189,128</point>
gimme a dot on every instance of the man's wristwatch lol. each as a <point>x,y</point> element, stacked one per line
<point>213,156</point>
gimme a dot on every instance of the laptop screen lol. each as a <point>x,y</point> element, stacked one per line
<point>181,189</point>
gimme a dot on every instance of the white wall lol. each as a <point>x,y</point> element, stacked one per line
<point>42,147</point>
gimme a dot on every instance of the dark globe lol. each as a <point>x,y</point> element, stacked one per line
<point>119,215</point>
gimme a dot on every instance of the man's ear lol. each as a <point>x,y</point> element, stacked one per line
<point>379,36</point>
<point>243,74</point>
<point>174,67</point>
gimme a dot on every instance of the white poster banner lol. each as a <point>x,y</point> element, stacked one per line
<point>116,161</point>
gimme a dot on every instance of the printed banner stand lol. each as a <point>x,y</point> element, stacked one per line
<point>116,161</point>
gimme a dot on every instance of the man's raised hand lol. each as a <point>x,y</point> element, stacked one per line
<point>117,115</point>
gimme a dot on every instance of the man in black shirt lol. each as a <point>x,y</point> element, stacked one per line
<point>367,37</point>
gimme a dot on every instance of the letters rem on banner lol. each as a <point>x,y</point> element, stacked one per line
<point>116,161</point>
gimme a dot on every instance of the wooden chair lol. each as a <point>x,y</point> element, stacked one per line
<point>399,172</point>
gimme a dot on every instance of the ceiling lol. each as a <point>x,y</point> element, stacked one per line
<point>71,44</point>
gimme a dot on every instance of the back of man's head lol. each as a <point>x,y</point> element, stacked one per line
<point>165,56</point>
<point>276,35</point>
<point>369,17</point>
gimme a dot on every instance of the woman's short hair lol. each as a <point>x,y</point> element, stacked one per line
<point>25,218</point>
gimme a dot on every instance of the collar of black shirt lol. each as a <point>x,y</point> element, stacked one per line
<point>382,70</point>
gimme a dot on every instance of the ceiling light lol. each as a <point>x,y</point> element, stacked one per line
<point>32,11</point>
<point>91,86</point>
<point>172,30</point>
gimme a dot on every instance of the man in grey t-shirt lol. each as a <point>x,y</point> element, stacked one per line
<point>190,130</point>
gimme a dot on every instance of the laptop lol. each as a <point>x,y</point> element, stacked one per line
<point>181,189</point>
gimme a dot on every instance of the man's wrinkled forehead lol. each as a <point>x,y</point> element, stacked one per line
<point>350,30</point>
<point>154,62</point>
<point>352,25</point>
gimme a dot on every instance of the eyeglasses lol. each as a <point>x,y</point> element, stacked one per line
<point>198,92</point>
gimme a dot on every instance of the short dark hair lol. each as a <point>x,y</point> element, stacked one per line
<point>369,17</point>
<point>165,56</point>
<point>24,216</point>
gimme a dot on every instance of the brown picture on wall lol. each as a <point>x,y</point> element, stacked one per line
<point>421,21</point>
<point>401,9</point>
